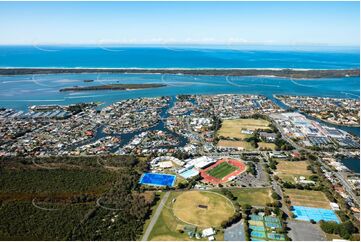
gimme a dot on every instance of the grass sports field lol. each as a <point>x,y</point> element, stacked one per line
<point>232,128</point>
<point>203,209</point>
<point>222,170</point>
<point>253,196</point>
<point>308,198</point>
<point>235,144</point>
<point>265,145</point>
<point>182,208</point>
<point>288,170</point>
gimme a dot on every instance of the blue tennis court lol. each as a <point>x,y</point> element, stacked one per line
<point>317,214</point>
<point>255,239</point>
<point>276,236</point>
<point>257,228</point>
<point>273,225</point>
<point>157,179</point>
<point>271,219</point>
<point>258,234</point>
<point>256,217</point>
<point>272,222</point>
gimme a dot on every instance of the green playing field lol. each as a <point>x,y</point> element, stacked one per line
<point>221,170</point>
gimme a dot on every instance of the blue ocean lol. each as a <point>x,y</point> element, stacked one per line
<point>181,57</point>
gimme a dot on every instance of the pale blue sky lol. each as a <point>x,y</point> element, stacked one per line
<point>332,23</point>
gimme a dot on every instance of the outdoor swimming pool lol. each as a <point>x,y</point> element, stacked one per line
<point>189,173</point>
<point>157,179</point>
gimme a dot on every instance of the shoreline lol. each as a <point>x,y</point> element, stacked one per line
<point>171,68</point>
<point>112,87</point>
<point>315,117</point>
<point>274,72</point>
<point>335,123</point>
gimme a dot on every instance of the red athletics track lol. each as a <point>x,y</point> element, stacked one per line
<point>208,178</point>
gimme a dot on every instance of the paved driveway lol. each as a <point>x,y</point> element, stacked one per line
<point>235,232</point>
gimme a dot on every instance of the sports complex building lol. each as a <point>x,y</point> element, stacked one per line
<point>224,170</point>
<point>193,166</point>
<point>212,170</point>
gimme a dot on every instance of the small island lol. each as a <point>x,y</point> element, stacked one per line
<point>111,87</point>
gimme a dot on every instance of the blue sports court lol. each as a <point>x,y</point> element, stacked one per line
<point>317,214</point>
<point>157,179</point>
<point>255,239</point>
<point>257,228</point>
<point>272,222</point>
<point>258,234</point>
<point>276,236</point>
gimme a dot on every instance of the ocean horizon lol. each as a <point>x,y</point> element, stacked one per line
<point>246,57</point>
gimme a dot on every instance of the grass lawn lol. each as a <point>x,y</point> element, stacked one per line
<point>167,225</point>
<point>153,209</point>
<point>308,198</point>
<point>232,128</point>
<point>288,170</point>
<point>235,144</point>
<point>221,170</point>
<point>266,145</point>
<point>253,196</point>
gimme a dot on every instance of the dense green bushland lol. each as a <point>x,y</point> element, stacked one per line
<point>87,187</point>
<point>23,221</point>
<point>125,223</point>
<point>54,181</point>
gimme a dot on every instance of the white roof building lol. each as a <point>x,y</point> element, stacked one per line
<point>165,164</point>
<point>201,162</point>
<point>334,206</point>
<point>208,232</point>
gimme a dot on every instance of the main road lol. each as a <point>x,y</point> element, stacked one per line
<point>342,180</point>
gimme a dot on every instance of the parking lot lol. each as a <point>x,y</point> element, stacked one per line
<point>235,232</point>
<point>248,180</point>
<point>305,231</point>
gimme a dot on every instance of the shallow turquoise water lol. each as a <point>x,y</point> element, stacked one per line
<point>22,91</point>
